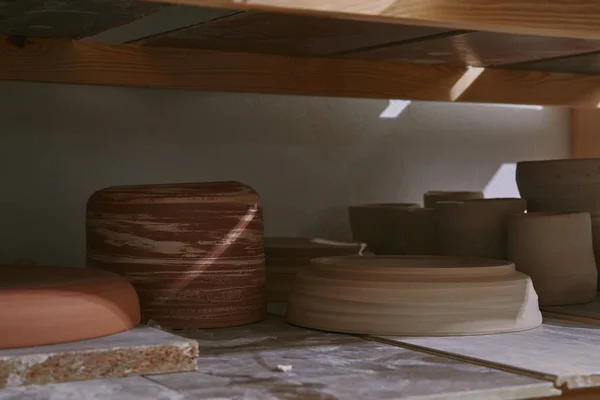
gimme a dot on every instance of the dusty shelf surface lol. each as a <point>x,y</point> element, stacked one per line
<point>274,360</point>
<point>508,51</point>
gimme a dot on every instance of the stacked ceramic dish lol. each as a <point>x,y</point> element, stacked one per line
<point>286,256</point>
<point>571,185</point>
<point>413,295</point>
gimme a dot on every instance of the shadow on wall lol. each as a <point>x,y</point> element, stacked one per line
<point>308,157</point>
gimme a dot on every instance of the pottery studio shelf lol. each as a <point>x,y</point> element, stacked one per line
<point>543,52</point>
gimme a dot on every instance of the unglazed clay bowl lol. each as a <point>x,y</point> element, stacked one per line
<point>413,295</point>
<point>41,305</point>
<point>376,224</point>
<point>571,185</point>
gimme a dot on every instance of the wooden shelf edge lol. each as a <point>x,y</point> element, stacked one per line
<point>556,18</point>
<point>79,62</point>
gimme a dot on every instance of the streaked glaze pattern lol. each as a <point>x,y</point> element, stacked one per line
<point>193,251</point>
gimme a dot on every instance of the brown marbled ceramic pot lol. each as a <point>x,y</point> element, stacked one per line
<point>193,251</point>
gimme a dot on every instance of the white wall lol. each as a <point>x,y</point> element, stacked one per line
<point>308,157</point>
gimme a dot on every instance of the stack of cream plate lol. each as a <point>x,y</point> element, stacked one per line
<point>413,295</point>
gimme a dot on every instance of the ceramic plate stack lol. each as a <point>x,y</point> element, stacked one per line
<point>194,252</point>
<point>411,295</point>
<point>42,305</point>
<point>571,185</point>
<point>286,256</point>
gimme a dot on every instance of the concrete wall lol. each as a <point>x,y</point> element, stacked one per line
<point>307,157</point>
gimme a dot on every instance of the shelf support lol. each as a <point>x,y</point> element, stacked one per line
<point>80,62</point>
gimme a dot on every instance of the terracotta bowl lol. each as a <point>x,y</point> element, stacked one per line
<point>286,256</point>
<point>41,305</point>
<point>412,295</point>
<point>571,185</point>
<point>376,225</point>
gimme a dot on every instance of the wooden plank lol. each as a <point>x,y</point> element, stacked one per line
<point>585,143</point>
<point>558,350</point>
<point>287,34</point>
<point>129,65</point>
<point>335,366</point>
<point>559,18</point>
<point>480,49</point>
<point>69,18</point>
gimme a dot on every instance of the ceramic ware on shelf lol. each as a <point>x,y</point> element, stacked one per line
<point>286,256</point>
<point>570,185</point>
<point>476,228</point>
<point>555,250</point>
<point>377,226</point>
<point>193,251</point>
<point>432,197</point>
<point>41,305</point>
<point>413,295</point>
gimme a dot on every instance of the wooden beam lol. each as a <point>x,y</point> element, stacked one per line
<point>574,19</point>
<point>585,133</point>
<point>64,61</point>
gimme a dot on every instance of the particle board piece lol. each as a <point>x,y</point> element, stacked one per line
<point>132,388</point>
<point>558,350</point>
<point>69,18</point>
<point>361,370</point>
<point>480,49</point>
<point>273,33</point>
<point>142,350</point>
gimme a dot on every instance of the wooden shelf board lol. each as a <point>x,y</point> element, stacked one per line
<point>81,62</point>
<point>557,18</point>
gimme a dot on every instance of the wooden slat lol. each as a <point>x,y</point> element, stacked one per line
<point>559,350</point>
<point>287,34</point>
<point>560,18</point>
<point>480,49</point>
<point>69,18</point>
<point>129,65</point>
<point>585,143</point>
